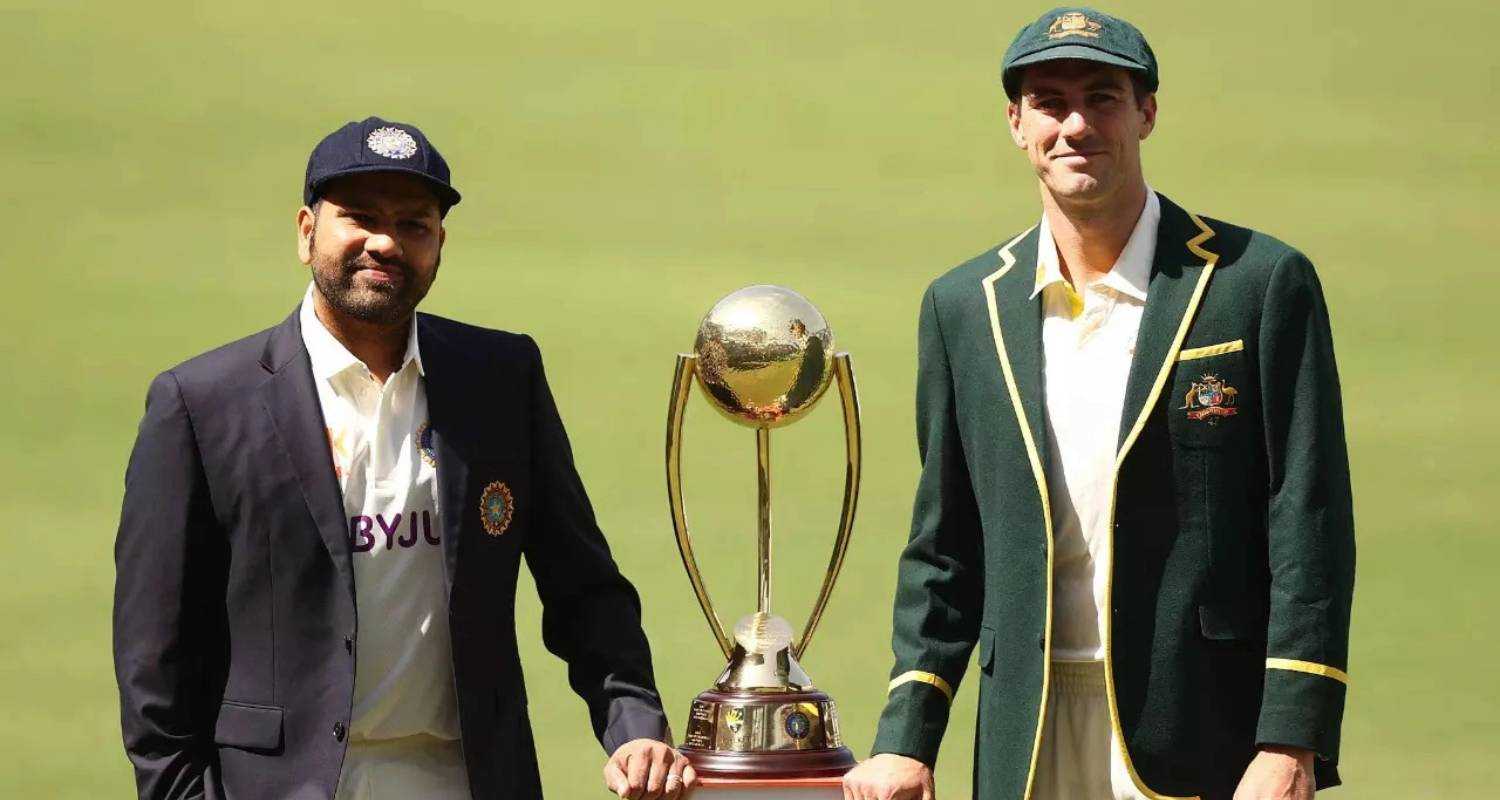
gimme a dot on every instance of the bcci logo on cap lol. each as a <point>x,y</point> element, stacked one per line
<point>391,143</point>
<point>1073,23</point>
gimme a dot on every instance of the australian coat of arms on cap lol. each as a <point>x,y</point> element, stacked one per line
<point>496,507</point>
<point>1211,398</point>
<point>1073,23</point>
<point>391,143</point>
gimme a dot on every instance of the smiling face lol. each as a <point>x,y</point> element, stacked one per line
<point>1081,124</point>
<point>374,242</point>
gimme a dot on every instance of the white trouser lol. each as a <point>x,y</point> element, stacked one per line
<point>1080,757</point>
<point>414,767</point>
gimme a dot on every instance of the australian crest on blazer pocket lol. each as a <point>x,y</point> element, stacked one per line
<point>1209,400</point>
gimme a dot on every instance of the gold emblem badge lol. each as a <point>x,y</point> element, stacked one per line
<point>496,507</point>
<point>1211,398</point>
<point>1073,23</point>
<point>424,444</point>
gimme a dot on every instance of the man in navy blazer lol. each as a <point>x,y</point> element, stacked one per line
<point>323,525</point>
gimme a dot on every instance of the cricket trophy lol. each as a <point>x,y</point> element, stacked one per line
<point>763,358</point>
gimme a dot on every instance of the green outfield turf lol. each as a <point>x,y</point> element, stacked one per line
<point>625,164</point>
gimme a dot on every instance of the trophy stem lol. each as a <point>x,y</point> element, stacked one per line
<point>763,541</point>
<point>763,357</point>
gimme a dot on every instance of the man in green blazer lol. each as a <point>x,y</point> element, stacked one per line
<point>1134,495</point>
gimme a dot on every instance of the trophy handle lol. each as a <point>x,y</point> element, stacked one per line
<point>849,397</point>
<point>682,386</point>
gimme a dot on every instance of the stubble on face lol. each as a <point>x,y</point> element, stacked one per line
<point>349,287</point>
<point>1081,125</point>
<point>374,246</point>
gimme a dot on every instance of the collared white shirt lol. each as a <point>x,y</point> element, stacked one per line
<point>1088,341</point>
<point>403,734</point>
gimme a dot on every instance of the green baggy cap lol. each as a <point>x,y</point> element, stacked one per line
<point>1082,33</point>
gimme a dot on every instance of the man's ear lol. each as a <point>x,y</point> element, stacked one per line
<point>442,236</point>
<point>1013,122</point>
<point>306,221</point>
<point>1148,112</point>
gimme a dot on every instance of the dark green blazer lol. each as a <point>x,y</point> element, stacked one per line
<point>1232,534</point>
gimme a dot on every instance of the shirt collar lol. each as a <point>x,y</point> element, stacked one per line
<point>1131,273</point>
<point>329,356</point>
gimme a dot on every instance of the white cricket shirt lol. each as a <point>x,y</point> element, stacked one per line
<point>1088,341</point>
<point>403,735</point>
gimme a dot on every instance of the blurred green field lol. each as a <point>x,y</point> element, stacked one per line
<point>625,164</point>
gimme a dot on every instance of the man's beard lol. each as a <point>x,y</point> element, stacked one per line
<point>379,303</point>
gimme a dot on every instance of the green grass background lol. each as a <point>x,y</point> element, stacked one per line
<point>624,165</point>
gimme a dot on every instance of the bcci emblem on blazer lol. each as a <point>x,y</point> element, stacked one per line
<point>324,523</point>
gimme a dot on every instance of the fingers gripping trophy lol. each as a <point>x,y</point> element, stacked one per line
<point>764,356</point>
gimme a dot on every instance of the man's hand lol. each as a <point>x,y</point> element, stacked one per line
<point>1278,773</point>
<point>645,769</point>
<point>888,776</point>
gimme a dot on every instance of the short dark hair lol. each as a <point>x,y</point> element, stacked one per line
<point>315,206</point>
<point>443,206</point>
<point>1138,84</point>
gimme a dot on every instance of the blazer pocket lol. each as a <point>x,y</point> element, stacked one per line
<point>249,726</point>
<point>1224,622</point>
<point>502,500</point>
<point>1206,407</point>
<point>1194,353</point>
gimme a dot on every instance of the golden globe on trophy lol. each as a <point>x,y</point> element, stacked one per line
<point>763,357</point>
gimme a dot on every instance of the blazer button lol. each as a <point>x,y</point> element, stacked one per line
<point>339,731</point>
<point>349,643</point>
<point>1041,643</point>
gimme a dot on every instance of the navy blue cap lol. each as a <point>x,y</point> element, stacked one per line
<point>1081,33</point>
<point>377,145</point>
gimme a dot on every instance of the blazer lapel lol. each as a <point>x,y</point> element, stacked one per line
<point>1016,325</point>
<point>291,399</point>
<point>448,415</point>
<point>1179,276</point>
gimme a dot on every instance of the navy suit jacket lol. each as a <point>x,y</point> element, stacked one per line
<point>235,624</point>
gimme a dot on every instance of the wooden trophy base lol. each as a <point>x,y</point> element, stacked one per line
<point>791,765</point>
<point>761,789</point>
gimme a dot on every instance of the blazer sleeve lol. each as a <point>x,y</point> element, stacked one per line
<point>158,662</point>
<point>939,588</point>
<point>591,615</point>
<point>1310,517</point>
